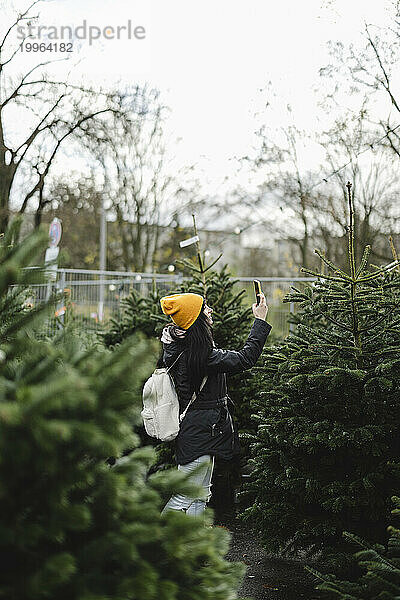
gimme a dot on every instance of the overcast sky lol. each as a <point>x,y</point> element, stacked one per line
<point>212,59</point>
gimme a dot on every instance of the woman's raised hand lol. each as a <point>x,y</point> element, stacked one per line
<point>260,310</point>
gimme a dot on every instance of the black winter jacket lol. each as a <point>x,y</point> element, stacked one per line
<point>208,426</point>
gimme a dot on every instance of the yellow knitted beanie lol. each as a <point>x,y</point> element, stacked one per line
<point>182,308</point>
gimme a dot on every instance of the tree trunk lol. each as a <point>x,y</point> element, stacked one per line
<point>155,248</point>
<point>39,210</point>
<point>305,241</point>
<point>122,231</point>
<point>7,173</point>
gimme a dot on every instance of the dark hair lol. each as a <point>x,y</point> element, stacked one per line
<point>198,343</point>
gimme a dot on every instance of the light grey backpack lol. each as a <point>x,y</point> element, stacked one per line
<point>160,412</point>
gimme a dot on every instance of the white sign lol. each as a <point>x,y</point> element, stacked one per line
<point>51,257</point>
<point>55,231</point>
<point>189,241</point>
<point>51,254</point>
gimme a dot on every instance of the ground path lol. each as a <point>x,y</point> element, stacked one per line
<point>267,577</point>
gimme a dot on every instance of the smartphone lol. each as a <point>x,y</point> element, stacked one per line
<point>257,290</point>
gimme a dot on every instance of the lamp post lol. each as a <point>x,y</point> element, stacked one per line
<point>103,258</point>
<point>50,259</point>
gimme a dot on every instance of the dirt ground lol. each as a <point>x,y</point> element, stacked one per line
<point>268,577</point>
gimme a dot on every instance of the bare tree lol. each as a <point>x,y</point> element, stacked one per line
<point>142,190</point>
<point>286,199</point>
<point>76,201</point>
<point>306,210</point>
<point>376,184</point>
<point>56,111</point>
<point>372,70</point>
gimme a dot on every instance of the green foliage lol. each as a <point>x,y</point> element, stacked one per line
<point>71,527</point>
<point>232,319</point>
<point>326,457</point>
<point>138,313</point>
<point>16,277</point>
<point>380,579</point>
<point>231,316</point>
<point>143,313</point>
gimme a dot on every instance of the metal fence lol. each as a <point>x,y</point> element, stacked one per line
<point>275,289</point>
<point>94,297</point>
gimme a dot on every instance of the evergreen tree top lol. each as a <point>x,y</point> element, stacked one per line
<point>345,316</point>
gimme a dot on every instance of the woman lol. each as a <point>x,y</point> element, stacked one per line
<point>198,370</point>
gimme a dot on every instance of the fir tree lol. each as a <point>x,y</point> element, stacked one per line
<point>380,566</point>
<point>15,279</point>
<point>138,313</point>
<point>326,456</point>
<point>71,527</point>
<point>231,325</point>
<point>232,319</point>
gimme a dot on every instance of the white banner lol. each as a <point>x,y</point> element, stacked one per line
<point>189,241</point>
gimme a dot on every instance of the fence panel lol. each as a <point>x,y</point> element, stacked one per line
<point>275,289</point>
<point>94,297</point>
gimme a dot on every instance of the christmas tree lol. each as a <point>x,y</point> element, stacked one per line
<point>138,313</point>
<point>71,527</point>
<point>380,566</point>
<point>326,455</point>
<point>231,325</point>
<point>232,319</point>
<point>16,279</point>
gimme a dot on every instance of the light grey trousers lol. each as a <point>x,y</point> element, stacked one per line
<point>194,506</point>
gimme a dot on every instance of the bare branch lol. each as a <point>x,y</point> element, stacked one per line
<point>43,174</point>
<point>38,129</point>
<point>21,17</point>
<point>23,81</point>
<point>18,48</point>
<point>386,82</point>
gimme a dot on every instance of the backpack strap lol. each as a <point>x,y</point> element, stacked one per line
<point>193,398</point>
<point>175,361</point>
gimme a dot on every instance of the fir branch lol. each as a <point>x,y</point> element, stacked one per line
<point>382,318</point>
<point>319,275</point>
<point>184,262</point>
<point>317,334</point>
<point>341,348</point>
<point>384,351</point>
<point>299,294</point>
<point>364,261</point>
<point>236,299</point>
<point>394,252</point>
<point>338,323</point>
<point>332,266</point>
<point>379,271</point>
<point>212,264</point>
